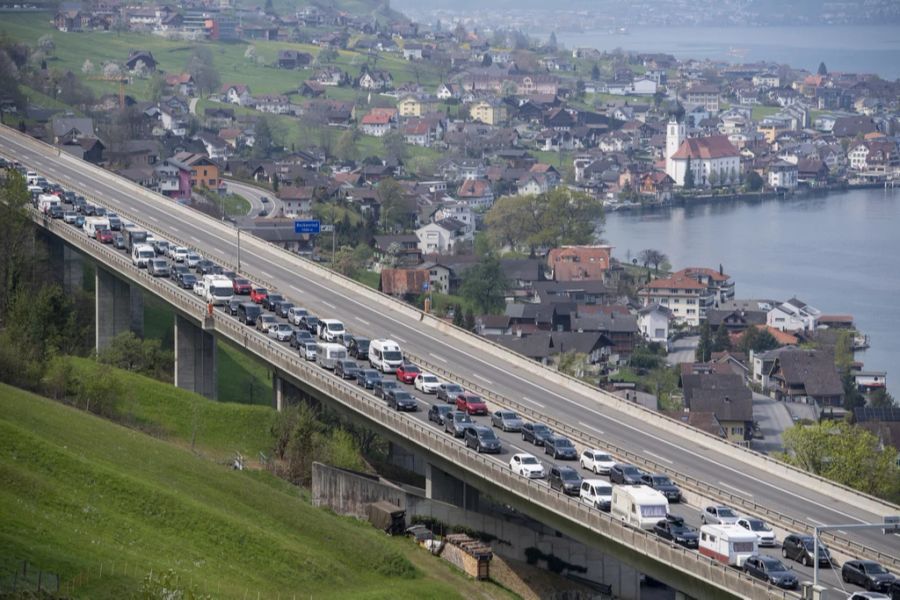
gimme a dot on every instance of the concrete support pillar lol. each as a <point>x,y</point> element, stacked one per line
<point>119,307</point>
<point>72,269</point>
<point>278,385</point>
<point>407,459</point>
<point>195,358</point>
<point>447,488</point>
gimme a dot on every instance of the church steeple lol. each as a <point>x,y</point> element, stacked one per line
<point>675,134</point>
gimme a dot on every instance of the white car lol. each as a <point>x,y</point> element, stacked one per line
<point>281,332</point>
<point>178,253</point>
<point>598,461</point>
<point>200,288</point>
<point>762,530</point>
<point>527,465</point>
<point>427,383</point>
<point>192,258</point>
<point>596,493</point>
<point>718,515</point>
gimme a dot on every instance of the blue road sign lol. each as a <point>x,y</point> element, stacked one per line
<point>307,226</point>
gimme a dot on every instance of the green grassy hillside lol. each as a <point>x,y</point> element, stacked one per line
<point>77,491</point>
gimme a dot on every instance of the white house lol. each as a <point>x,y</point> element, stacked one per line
<point>276,104</point>
<point>643,87</point>
<point>377,124</point>
<point>460,211</point>
<point>653,322</point>
<point>713,160</point>
<point>783,175</point>
<point>237,93</point>
<point>441,237</point>
<point>793,315</point>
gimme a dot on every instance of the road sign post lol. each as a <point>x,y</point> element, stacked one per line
<point>311,226</point>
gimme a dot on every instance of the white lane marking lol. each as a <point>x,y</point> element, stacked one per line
<point>583,424</point>
<point>266,273</point>
<point>155,220</point>
<point>535,402</point>
<point>296,289</point>
<point>738,490</point>
<point>397,337</point>
<point>363,321</point>
<point>329,305</point>
<point>436,357</point>
<point>483,378</point>
<point>196,241</point>
<point>677,446</point>
<point>845,533</point>
<point>175,229</point>
<point>814,521</point>
<point>658,457</point>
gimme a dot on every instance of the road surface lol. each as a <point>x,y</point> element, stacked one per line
<point>254,196</point>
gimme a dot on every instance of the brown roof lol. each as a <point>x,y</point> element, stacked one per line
<point>578,263</point>
<point>398,282</point>
<point>704,421</point>
<point>679,283</point>
<point>715,146</point>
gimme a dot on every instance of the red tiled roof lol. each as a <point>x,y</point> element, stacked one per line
<point>716,146</point>
<point>676,282</point>
<point>376,119</point>
<point>473,188</point>
<point>694,271</point>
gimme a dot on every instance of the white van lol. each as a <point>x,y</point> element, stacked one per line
<point>217,289</point>
<point>45,201</point>
<point>331,330</point>
<point>31,177</point>
<point>728,544</point>
<point>328,354</point>
<point>596,493</point>
<point>35,190</point>
<point>140,254</point>
<point>638,505</point>
<point>385,355</point>
<point>94,224</point>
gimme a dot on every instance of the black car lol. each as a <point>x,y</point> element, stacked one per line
<point>867,573</point>
<point>449,391</point>
<point>281,308</point>
<point>383,385</point>
<point>346,369</point>
<point>437,412</point>
<point>663,484</point>
<point>482,439</point>
<point>232,306</point>
<point>300,337</point>
<point>565,479</point>
<point>248,313</point>
<point>560,447</point>
<point>800,548</point>
<point>367,378</point>
<point>625,474</point>
<point>536,433</point>
<point>770,570</point>
<point>456,422</point>
<point>673,528</point>
<point>204,267</point>
<point>401,400</point>
<point>358,347</point>
<point>310,323</point>
<point>271,300</point>
<point>187,281</point>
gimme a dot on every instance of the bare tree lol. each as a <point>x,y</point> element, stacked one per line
<point>87,67</point>
<point>112,71</point>
<point>652,257</point>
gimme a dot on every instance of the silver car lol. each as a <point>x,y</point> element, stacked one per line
<point>281,332</point>
<point>506,420</point>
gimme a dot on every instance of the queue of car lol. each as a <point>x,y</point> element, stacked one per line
<point>638,498</point>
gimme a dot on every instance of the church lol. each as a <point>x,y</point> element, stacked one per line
<point>713,160</point>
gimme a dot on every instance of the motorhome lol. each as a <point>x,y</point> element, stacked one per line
<point>728,544</point>
<point>140,254</point>
<point>638,505</point>
<point>133,237</point>
<point>94,224</point>
<point>331,330</point>
<point>385,355</point>
<point>218,289</point>
<point>45,201</point>
<point>328,354</point>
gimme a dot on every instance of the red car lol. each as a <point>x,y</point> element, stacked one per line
<point>241,286</point>
<point>104,236</point>
<point>407,372</point>
<point>471,404</point>
<point>259,295</point>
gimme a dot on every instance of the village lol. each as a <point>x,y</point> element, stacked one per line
<point>415,145</point>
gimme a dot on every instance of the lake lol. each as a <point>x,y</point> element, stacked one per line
<point>838,252</point>
<point>852,48</point>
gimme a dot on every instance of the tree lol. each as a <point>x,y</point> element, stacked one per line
<point>595,72</point>
<point>396,206</point>
<point>757,340</point>
<point>880,398</point>
<point>484,285</point>
<point>9,80</point>
<point>713,178</point>
<point>326,55</point>
<point>46,44</point>
<point>845,453</point>
<point>653,257</point>
<point>754,181</point>
<point>203,71</point>
<point>156,87</point>
<point>469,320</point>
<point>129,352</point>
<point>16,239</point>
<point>112,71</point>
<point>486,60</point>
<point>823,70</point>
<point>262,143</point>
<point>275,182</point>
<point>87,67</point>
<point>704,347</point>
<point>250,53</point>
<point>689,176</point>
<point>346,148</point>
<point>721,341</point>
<point>552,43</point>
<point>140,69</point>
<point>458,315</point>
<point>394,144</point>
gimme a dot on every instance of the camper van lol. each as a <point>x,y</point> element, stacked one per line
<point>45,201</point>
<point>133,237</point>
<point>385,355</point>
<point>638,505</point>
<point>328,354</point>
<point>331,330</point>
<point>94,224</point>
<point>728,544</point>
<point>140,254</point>
<point>218,290</point>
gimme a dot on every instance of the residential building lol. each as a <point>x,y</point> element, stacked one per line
<point>237,93</point>
<point>703,95</point>
<point>686,297</point>
<point>376,124</point>
<point>719,283</point>
<point>793,315</point>
<point>414,106</point>
<point>297,200</point>
<point>441,237</point>
<point>725,395</point>
<point>477,193</point>
<point>653,322</point>
<point>376,80</point>
<point>276,104</point>
<point>579,263</point>
<point>204,172</point>
<point>173,179</point>
<point>782,175</point>
<point>490,112</point>
<point>808,376</point>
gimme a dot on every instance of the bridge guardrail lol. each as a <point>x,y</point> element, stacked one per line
<point>837,541</point>
<point>277,354</point>
<point>872,504</point>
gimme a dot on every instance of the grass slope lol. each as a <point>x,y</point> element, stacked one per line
<point>77,491</point>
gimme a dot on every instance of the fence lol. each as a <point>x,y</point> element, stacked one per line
<point>27,577</point>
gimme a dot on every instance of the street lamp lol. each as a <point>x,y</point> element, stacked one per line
<point>239,248</point>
